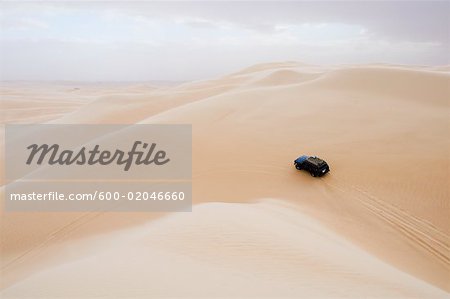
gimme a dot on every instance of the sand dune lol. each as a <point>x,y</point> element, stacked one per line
<point>264,249</point>
<point>383,129</point>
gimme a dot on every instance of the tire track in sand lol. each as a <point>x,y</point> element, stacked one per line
<point>58,234</point>
<point>421,233</point>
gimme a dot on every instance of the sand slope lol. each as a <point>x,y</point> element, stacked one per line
<point>265,249</point>
<point>383,129</point>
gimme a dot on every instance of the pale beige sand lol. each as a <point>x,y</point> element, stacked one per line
<point>384,130</point>
<point>265,249</point>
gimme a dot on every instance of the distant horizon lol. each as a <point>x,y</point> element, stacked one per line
<point>190,41</point>
<point>170,82</point>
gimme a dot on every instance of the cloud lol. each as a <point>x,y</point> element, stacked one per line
<point>193,40</point>
<point>401,20</point>
<point>405,20</point>
<point>22,23</point>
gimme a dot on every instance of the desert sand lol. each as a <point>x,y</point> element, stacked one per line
<point>376,226</point>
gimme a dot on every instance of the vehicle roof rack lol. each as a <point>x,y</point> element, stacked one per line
<point>316,161</point>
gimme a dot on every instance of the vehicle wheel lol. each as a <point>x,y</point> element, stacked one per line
<point>313,174</point>
<point>298,167</point>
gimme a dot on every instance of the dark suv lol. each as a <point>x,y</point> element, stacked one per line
<point>315,166</point>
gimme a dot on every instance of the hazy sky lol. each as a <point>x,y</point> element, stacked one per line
<point>138,41</point>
